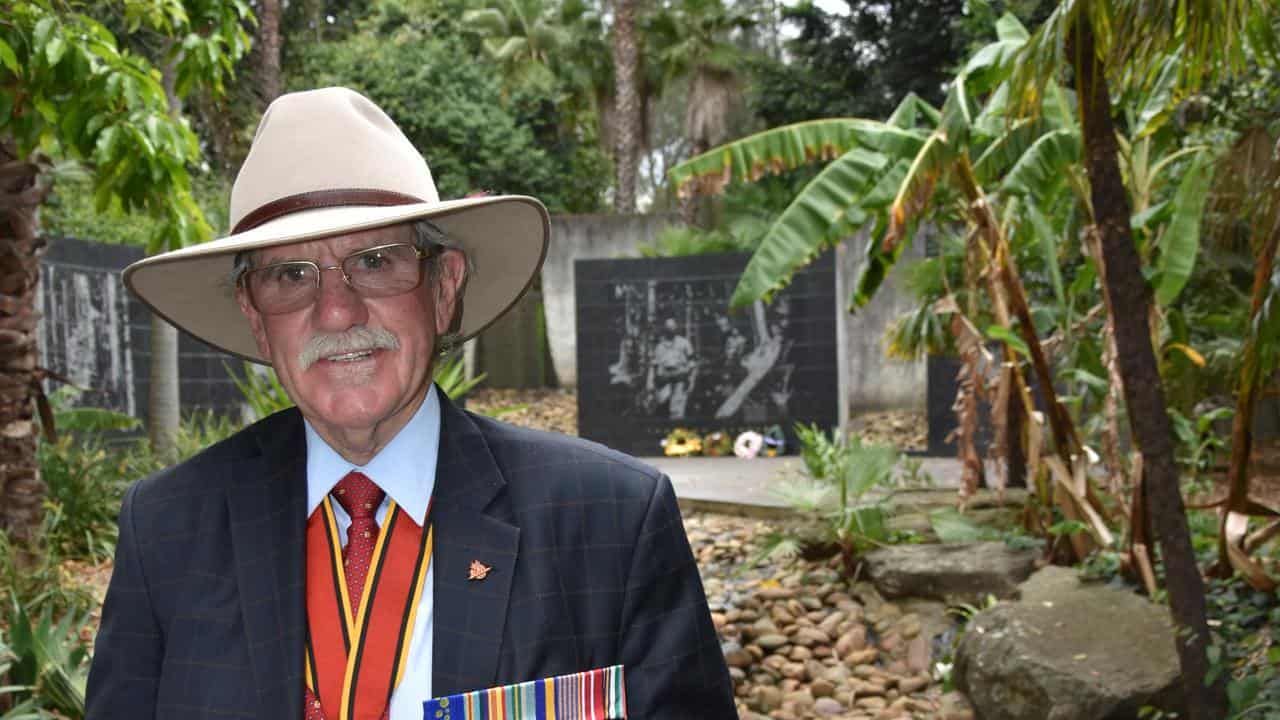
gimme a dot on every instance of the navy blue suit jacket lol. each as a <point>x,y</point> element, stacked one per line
<point>205,615</point>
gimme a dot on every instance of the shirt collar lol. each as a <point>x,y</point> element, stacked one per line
<point>405,469</point>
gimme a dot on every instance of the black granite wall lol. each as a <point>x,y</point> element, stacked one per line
<point>95,333</point>
<point>658,349</point>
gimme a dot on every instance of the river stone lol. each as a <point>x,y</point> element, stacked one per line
<point>952,573</point>
<point>735,656</point>
<point>1071,652</point>
<point>772,641</point>
<point>827,706</point>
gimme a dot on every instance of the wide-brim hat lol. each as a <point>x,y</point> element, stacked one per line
<point>329,162</point>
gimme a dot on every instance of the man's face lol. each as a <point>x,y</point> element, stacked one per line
<point>354,391</point>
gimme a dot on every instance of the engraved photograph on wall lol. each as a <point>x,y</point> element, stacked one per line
<point>659,348</point>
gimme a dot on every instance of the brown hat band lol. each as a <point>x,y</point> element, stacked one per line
<point>314,199</point>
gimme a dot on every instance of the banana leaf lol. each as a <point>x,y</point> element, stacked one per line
<point>1180,242</point>
<point>809,224</point>
<point>786,148</point>
<point>1044,164</point>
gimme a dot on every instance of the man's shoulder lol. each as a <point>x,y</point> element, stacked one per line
<point>213,468</point>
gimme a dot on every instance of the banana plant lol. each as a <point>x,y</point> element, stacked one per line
<point>952,165</point>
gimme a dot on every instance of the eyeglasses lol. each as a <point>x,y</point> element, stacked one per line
<point>379,271</point>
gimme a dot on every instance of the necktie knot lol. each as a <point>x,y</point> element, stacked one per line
<point>358,495</point>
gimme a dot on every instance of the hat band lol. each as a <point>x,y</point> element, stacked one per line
<point>336,197</point>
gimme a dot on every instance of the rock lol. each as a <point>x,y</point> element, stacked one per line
<point>852,641</point>
<point>830,623</point>
<point>827,706</point>
<point>861,657</point>
<point>919,657</point>
<point>809,637</point>
<point>954,706</point>
<point>952,573</point>
<point>1083,652</point>
<point>871,703</point>
<point>766,698</point>
<point>793,670</point>
<point>775,593</point>
<point>772,641</point>
<point>836,674</point>
<point>799,698</point>
<point>763,626</point>
<point>909,685</point>
<point>822,688</point>
<point>735,656</point>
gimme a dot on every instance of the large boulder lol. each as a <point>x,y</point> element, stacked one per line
<point>952,573</point>
<point>1068,651</point>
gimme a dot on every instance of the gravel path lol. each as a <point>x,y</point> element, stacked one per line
<point>801,642</point>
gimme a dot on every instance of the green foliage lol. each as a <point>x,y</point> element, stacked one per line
<point>40,580</point>
<point>24,710</point>
<point>860,63</point>
<point>1246,628</point>
<point>451,376</point>
<point>454,110</point>
<point>86,482</point>
<point>49,659</point>
<point>843,497</point>
<point>681,241</point>
<point>953,527</point>
<point>1199,443</point>
<point>261,389</point>
<point>70,212</point>
<point>69,90</point>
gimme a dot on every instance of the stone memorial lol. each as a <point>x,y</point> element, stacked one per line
<point>659,350</point>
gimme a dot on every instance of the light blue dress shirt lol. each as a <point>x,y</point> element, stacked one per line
<point>406,470</point>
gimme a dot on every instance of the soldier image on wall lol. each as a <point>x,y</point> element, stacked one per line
<point>660,348</point>
<point>663,361</point>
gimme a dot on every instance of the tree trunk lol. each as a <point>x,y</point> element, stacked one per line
<point>269,84</point>
<point>23,188</point>
<point>1144,394</point>
<point>315,18</point>
<point>626,61</point>
<point>689,203</point>
<point>164,401</point>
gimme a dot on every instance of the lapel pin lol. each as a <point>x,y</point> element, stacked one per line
<point>478,570</point>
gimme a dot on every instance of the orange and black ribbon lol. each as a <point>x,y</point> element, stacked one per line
<point>356,656</point>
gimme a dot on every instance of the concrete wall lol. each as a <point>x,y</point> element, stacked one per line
<point>584,237</point>
<point>870,380</point>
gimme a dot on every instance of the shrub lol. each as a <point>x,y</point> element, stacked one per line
<point>837,498</point>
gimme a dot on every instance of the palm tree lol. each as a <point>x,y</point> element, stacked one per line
<point>691,41</point>
<point>270,84</point>
<point>523,35</point>
<point>627,121</point>
<point>68,84</point>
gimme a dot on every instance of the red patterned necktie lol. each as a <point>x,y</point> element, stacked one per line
<point>359,497</point>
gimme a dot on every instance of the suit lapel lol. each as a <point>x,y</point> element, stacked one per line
<point>268,519</point>
<point>472,522</point>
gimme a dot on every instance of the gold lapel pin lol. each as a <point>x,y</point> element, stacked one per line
<point>478,570</point>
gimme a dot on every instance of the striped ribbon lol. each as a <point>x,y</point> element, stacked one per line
<point>598,694</point>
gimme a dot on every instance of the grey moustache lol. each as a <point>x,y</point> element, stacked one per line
<point>357,339</point>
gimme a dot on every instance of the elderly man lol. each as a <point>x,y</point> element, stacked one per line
<point>378,547</point>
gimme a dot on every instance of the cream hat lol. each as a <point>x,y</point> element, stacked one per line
<point>326,162</point>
